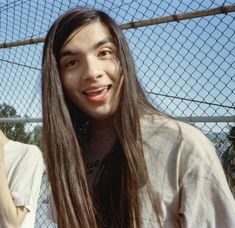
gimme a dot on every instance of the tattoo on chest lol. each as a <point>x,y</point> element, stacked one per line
<point>91,166</point>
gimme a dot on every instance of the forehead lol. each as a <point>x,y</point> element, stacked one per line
<point>87,35</point>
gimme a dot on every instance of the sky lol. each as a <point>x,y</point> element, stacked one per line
<point>178,63</point>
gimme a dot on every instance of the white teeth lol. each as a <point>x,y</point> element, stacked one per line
<point>96,90</point>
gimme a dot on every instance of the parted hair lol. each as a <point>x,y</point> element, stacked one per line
<point>65,127</point>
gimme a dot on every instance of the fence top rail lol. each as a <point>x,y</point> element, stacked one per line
<point>192,119</point>
<point>147,22</point>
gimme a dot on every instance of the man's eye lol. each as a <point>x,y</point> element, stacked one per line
<point>72,62</point>
<point>105,52</point>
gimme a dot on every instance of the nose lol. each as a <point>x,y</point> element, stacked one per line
<point>93,69</point>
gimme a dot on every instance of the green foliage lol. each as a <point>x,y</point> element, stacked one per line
<point>36,136</point>
<point>231,158</point>
<point>232,138</point>
<point>17,131</point>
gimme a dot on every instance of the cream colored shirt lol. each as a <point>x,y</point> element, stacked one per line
<point>187,178</point>
<point>24,166</point>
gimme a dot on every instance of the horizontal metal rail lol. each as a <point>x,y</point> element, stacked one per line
<point>192,119</point>
<point>136,24</point>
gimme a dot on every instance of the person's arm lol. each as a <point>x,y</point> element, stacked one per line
<point>10,215</point>
<point>206,200</point>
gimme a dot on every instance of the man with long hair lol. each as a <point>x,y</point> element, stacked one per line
<point>21,169</point>
<point>113,160</point>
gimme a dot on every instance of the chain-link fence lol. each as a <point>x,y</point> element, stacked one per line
<point>184,54</point>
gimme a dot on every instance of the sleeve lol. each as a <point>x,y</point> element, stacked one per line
<point>25,187</point>
<point>206,199</point>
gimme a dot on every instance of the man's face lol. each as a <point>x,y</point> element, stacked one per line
<point>90,71</point>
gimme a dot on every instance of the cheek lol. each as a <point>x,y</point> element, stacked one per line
<point>115,70</point>
<point>70,83</point>
<point>71,86</point>
<point>118,75</point>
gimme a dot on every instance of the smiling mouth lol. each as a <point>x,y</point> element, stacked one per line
<point>98,91</point>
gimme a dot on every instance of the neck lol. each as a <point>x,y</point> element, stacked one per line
<point>102,136</point>
<point>102,129</point>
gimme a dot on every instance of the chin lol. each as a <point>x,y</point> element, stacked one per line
<point>102,115</point>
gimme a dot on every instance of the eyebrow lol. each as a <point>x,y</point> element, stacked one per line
<point>95,46</point>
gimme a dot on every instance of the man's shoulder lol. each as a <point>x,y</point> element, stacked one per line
<point>167,132</point>
<point>20,145</point>
<point>23,150</point>
<point>169,126</point>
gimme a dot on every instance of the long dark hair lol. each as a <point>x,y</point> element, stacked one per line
<point>64,127</point>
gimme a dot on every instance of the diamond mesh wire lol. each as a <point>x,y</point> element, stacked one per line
<point>186,67</point>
